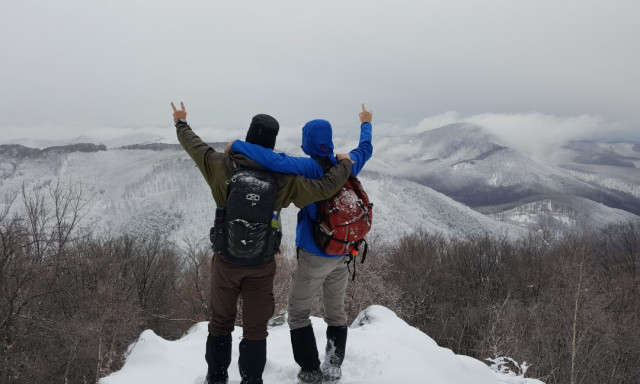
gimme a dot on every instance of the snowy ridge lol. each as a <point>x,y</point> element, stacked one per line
<point>473,167</point>
<point>616,184</point>
<point>131,188</point>
<point>402,206</point>
<point>382,349</point>
<point>132,138</point>
<point>458,180</point>
<point>558,212</point>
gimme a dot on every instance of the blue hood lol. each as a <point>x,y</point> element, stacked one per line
<point>317,138</point>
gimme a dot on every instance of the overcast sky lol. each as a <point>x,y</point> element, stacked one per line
<point>72,67</point>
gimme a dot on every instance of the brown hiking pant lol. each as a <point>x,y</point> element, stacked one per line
<point>255,283</point>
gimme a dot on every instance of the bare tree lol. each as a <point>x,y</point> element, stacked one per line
<point>193,287</point>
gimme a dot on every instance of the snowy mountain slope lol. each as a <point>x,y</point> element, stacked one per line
<point>432,149</point>
<point>475,168</point>
<point>149,188</point>
<point>607,177</point>
<point>470,165</point>
<point>121,184</point>
<point>621,154</point>
<point>428,180</point>
<point>382,349</point>
<point>403,206</point>
<point>563,212</point>
<point>612,166</point>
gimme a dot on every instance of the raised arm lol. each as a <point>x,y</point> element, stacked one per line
<point>363,152</point>
<point>199,151</point>
<point>278,162</point>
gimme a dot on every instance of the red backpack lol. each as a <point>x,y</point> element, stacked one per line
<point>344,220</point>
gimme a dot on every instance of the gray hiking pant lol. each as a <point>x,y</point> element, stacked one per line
<point>311,274</point>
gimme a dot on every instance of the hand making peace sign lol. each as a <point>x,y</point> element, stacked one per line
<point>365,116</point>
<point>179,113</point>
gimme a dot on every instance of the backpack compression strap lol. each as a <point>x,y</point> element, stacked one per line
<point>351,255</point>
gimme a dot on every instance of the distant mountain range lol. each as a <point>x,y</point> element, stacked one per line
<point>457,179</point>
<point>582,183</point>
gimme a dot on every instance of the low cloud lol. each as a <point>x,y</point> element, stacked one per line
<point>536,133</point>
<point>45,136</point>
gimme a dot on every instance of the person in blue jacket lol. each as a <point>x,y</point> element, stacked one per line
<point>315,269</point>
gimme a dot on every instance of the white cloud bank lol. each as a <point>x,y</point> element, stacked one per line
<point>535,133</point>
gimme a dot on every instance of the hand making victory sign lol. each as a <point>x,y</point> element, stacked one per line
<point>179,113</point>
<point>365,116</point>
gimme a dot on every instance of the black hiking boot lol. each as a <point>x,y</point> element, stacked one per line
<point>334,353</point>
<point>305,351</point>
<point>251,381</point>
<point>218,356</point>
<point>253,357</point>
<point>216,380</point>
<point>310,376</point>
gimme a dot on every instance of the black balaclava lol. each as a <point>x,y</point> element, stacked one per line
<point>263,131</point>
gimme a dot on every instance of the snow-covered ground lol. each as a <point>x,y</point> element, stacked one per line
<point>382,349</point>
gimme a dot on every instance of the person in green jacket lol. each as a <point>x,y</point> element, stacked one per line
<point>254,282</point>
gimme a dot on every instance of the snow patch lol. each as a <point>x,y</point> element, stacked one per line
<point>382,349</point>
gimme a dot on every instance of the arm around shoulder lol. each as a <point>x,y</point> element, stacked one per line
<point>307,191</point>
<point>277,162</point>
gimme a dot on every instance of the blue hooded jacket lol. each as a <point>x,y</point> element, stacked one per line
<point>317,138</point>
<point>317,142</point>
